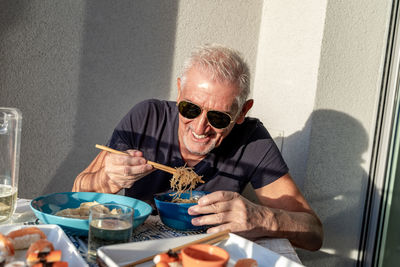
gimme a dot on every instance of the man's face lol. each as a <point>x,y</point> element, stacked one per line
<point>196,136</point>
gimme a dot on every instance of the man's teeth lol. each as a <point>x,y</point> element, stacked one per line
<point>199,135</point>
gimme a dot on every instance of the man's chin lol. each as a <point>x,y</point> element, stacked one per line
<point>202,151</point>
<point>198,152</point>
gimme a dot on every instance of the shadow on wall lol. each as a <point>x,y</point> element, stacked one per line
<point>335,185</point>
<point>11,16</point>
<point>127,54</point>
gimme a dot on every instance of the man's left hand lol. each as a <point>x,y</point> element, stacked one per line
<point>229,210</point>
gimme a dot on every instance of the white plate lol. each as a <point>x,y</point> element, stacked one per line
<point>55,235</point>
<point>238,247</point>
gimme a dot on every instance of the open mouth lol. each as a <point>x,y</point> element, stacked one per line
<point>199,136</point>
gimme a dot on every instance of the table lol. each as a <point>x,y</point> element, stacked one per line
<point>152,228</point>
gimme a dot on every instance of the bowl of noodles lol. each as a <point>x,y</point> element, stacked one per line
<point>173,211</point>
<point>173,206</point>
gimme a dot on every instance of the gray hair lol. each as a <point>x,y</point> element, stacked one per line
<point>223,64</point>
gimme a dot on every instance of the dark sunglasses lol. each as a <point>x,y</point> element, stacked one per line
<point>217,119</point>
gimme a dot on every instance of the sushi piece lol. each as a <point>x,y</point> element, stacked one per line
<point>51,264</point>
<point>6,250</point>
<point>42,245</point>
<point>15,264</point>
<point>24,237</point>
<point>44,257</point>
<point>170,258</point>
<point>6,246</point>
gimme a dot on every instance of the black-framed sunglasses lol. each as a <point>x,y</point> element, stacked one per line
<point>217,119</point>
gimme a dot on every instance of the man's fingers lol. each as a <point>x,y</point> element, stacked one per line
<point>214,219</point>
<point>217,196</point>
<point>220,228</point>
<point>126,160</point>
<point>127,171</point>
<point>212,208</point>
<point>135,153</point>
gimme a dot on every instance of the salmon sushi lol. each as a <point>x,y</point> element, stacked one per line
<point>6,249</point>
<point>24,237</point>
<point>51,264</point>
<point>45,257</point>
<point>42,245</point>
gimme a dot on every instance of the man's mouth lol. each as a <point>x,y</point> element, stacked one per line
<point>199,136</point>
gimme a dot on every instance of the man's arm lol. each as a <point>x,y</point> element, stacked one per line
<point>283,213</point>
<point>109,172</point>
<point>94,178</point>
<point>292,216</point>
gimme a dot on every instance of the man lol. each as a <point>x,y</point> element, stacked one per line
<point>207,129</point>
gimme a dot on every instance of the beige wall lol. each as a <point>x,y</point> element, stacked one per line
<point>286,76</point>
<point>317,80</point>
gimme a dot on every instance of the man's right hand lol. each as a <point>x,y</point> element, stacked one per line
<point>125,170</point>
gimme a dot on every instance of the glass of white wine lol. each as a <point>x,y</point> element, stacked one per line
<point>10,134</point>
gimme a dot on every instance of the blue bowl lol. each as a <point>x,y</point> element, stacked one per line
<point>46,206</point>
<point>175,215</point>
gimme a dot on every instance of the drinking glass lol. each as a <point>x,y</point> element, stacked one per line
<point>10,132</point>
<point>109,224</point>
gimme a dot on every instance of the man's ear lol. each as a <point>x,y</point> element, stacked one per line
<point>246,107</point>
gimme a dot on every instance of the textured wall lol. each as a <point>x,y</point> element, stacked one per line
<point>343,124</point>
<point>74,68</point>
<point>286,76</point>
<point>317,80</point>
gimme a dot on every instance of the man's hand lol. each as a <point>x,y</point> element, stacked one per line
<point>125,170</point>
<point>274,217</point>
<point>229,210</point>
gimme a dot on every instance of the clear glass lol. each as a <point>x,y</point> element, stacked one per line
<point>109,224</point>
<point>10,139</point>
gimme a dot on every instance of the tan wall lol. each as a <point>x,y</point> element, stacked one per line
<point>318,78</point>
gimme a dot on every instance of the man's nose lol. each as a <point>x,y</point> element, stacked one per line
<point>201,123</point>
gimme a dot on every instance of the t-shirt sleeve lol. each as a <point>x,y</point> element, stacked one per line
<point>271,166</point>
<point>125,134</point>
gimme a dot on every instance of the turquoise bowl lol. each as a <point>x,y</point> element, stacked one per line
<point>46,206</point>
<point>175,215</point>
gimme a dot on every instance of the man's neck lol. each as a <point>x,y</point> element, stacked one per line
<point>190,159</point>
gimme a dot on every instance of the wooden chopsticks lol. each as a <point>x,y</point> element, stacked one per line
<point>154,164</point>
<point>211,239</point>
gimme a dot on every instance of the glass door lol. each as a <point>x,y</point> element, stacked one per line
<point>380,242</point>
<point>388,236</point>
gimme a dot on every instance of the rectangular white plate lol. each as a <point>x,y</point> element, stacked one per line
<point>238,247</point>
<point>55,235</point>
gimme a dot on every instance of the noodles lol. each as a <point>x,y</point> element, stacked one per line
<point>182,181</point>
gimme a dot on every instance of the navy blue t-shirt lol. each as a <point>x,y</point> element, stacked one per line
<point>247,154</point>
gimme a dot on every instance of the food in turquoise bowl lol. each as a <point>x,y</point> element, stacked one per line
<point>175,215</point>
<point>45,209</point>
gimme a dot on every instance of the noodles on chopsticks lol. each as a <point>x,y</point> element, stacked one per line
<point>184,180</point>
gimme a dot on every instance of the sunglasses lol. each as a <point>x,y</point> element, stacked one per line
<point>217,119</point>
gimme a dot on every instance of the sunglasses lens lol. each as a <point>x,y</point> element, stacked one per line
<point>189,110</point>
<point>218,119</point>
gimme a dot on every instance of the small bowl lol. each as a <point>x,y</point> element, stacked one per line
<point>46,206</point>
<point>204,255</point>
<point>175,215</point>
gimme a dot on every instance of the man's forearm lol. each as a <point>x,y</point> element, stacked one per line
<point>302,229</point>
<point>94,182</point>
<point>94,178</point>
